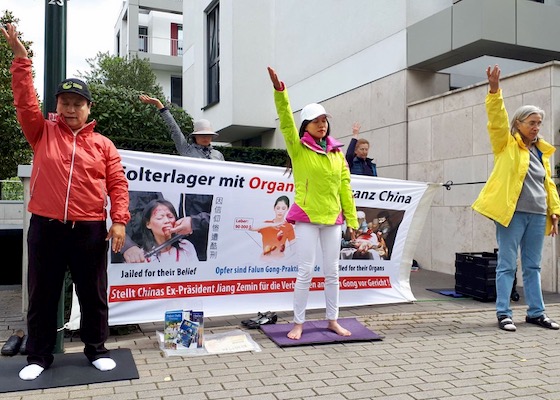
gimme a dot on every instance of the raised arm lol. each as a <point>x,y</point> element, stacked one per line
<point>277,83</point>
<point>151,100</point>
<point>493,75</point>
<point>26,102</point>
<point>11,36</point>
<point>352,145</point>
<point>285,115</point>
<point>181,143</point>
<point>498,119</point>
<point>356,130</point>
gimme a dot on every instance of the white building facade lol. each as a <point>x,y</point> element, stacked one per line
<point>153,30</point>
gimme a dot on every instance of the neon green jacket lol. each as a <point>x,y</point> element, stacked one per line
<point>498,198</point>
<point>322,179</point>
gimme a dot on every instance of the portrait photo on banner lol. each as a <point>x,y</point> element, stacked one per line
<point>375,237</point>
<point>274,237</point>
<point>167,228</point>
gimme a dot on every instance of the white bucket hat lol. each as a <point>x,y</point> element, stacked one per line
<point>312,111</point>
<point>203,127</point>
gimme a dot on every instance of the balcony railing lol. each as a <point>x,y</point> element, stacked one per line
<point>158,45</point>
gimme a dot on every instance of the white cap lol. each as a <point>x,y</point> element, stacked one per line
<point>361,214</point>
<point>203,127</point>
<point>312,111</point>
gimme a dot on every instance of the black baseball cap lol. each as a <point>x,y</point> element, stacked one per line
<point>74,85</point>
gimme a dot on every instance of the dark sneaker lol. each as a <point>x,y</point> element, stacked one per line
<point>543,321</point>
<point>506,323</point>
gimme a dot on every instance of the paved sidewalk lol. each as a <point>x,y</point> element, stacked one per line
<point>436,348</point>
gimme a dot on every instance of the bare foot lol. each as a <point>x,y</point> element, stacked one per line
<point>336,328</point>
<point>295,333</point>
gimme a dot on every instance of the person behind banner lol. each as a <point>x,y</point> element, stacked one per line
<point>277,234</point>
<point>199,144</point>
<point>159,243</point>
<point>357,154</point>
<point>522,200</point>
<point>74,169</point>
<point>323,199</point>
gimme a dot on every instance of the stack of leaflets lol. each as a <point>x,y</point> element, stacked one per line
<point>183,329</point>
<point>198,317</point>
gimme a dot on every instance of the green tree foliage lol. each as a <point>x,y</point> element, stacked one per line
<point>131,124</point>
<point>255,155</point>
<point>131,73</point>
<point>14,149</point>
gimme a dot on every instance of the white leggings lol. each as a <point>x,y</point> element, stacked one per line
<point>308,236</point>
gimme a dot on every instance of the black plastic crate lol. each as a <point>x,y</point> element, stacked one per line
<point>475,275</point>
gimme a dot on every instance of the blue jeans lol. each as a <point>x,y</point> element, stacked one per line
<point>525,232</point>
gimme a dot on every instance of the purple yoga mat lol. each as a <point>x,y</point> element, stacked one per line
<point>316,332</point>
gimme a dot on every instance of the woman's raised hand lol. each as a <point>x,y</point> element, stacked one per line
<point>151,100</point>
<point>278,85</point>
<point>356,129</point>
<point>11,36</point>
<point>493,75</point>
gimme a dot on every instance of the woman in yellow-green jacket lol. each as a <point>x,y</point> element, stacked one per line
<point>522,199</point>
<point>323,200</point>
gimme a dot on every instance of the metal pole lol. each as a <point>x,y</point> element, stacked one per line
<point>55,51</point>
<point>55,72</point>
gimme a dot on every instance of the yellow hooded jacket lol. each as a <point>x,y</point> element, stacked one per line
<point>498,198</point>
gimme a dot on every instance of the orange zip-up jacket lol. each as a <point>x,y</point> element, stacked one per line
<point>72,173</point>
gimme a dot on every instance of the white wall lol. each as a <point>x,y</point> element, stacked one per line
<point>11,213</point>
<point>164,79</point>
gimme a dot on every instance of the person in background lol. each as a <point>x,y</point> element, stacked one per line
<point>323,199</point>
<point>357,154</point>
<point>200,143</point>
<point>522,200</point>
<point>74,169</point>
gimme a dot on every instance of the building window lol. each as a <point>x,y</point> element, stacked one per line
<point>119,43</point>
<point>143,38</point>
<point>177,90</point>
<point>213,53</point>
<point>176,39</point>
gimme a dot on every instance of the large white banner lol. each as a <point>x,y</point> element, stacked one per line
<point>241,257</point>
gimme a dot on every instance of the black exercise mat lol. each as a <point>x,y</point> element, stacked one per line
<point>67,370</point>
